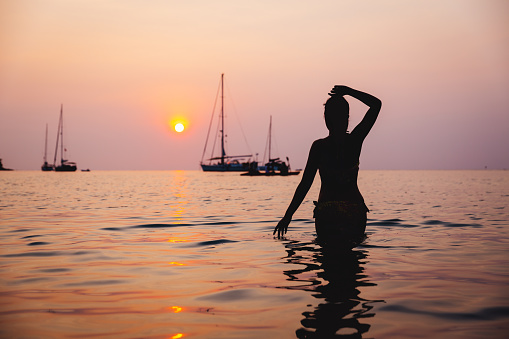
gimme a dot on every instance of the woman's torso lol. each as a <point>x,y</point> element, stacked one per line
<point>339,167</point>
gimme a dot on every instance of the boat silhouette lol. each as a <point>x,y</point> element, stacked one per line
<point>224,162</point>
<point>274,166</point>
<point>65,165</point>
<point>2,168</point>
<point>45,166</point>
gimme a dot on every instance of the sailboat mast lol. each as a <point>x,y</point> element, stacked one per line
<point>46,146</point>
<point>62,135</point>
<point>222,119</point>
<point>58,137</point>
<point>270,136</point>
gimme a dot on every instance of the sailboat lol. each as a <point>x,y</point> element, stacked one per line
<point>2,168</point>
<point>224,162</point>
<point>65,165</point>
<point>45,166</point>
<point>274,166</point>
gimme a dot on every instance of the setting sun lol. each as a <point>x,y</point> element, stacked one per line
<point>178,123</point>
<point>179,127</point>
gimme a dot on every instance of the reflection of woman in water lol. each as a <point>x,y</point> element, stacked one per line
<point>335,279</point>
<point>340,213</point>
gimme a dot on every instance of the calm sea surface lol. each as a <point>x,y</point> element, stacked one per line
<point>187,254</point>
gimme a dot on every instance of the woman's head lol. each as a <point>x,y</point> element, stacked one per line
<point>337,112</point>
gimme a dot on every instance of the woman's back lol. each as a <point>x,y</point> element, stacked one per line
<point>338,165</point>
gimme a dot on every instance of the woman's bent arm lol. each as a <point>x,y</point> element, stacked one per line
<point>374,104</point>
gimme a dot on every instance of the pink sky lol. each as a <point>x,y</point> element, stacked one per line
<point>124,69</point>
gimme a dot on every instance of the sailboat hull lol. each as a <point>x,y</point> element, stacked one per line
<point>225,168</point>
<point>66,168</point>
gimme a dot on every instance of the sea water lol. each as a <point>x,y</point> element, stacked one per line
<point>187,254</point>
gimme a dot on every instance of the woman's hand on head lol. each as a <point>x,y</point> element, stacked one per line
<point>282,227</point>
<point>339,90</point>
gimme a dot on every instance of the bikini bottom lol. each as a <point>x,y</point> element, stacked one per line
<point>340,223</point>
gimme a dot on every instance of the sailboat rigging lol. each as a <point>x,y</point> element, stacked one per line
<point>224,162</point>
<point>45,166</point>
<point>65,165</point>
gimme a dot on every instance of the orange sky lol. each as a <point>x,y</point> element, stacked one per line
<point>124,69</point>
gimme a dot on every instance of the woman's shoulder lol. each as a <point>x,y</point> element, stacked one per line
<point>320,142</point>
<point>319,145</point>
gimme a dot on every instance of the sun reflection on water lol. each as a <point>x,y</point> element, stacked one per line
<point>179,197</point>
<point>176,309</point>
<point>177,240</point>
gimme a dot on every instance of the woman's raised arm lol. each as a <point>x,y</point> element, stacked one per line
<point>374,104</point>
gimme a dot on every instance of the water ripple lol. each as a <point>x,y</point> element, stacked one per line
<point>212,242</point>
<point>489,313</point>
<point>44,254</point>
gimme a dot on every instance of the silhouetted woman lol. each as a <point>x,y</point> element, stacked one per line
<point>340,213</point>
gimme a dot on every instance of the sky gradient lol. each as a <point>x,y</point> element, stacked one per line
<point>124,70</point>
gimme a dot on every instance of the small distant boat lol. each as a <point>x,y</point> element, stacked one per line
<point>65,165</point>
<point>224,162</point>
<point>2,168</point>
<point>274,166</point>
<point>86,170</point>
<point>45,166</point>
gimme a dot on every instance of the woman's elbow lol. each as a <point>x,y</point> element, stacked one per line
<point>377,104</point>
